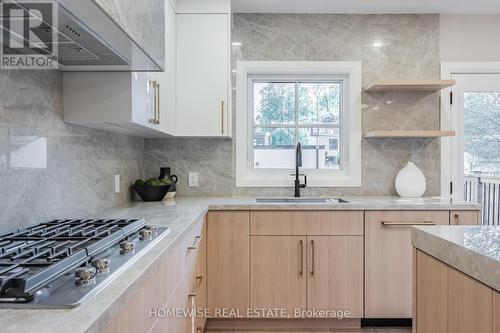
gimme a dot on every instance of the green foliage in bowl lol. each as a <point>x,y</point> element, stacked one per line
<point>153,182</point>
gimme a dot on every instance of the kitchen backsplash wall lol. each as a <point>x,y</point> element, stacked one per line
<point>50,169</point>
<point>390,47</point>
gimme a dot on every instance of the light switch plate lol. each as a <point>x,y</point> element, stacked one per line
<point>117,184</point>
<point>193,179</point>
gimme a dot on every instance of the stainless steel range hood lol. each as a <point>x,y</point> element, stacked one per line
<point>88,39</point>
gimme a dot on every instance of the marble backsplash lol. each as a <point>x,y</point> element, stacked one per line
<point>389,47</point>
<point>50,169</point>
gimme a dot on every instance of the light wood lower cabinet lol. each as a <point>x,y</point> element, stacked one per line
<point>228,246</point>
<point>431,283</point>
<point>469,304</point>
<point>496,312</point>
<point>466,217</point>
<point>335,274</point>
<point>448,300</point>
<point>307,273</point>
<point>168,286</point>
<point>299,223</point>
<point>278,273</point>
<point>388,260</point>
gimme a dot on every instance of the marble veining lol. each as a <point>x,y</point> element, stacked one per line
<point>474,250</point>
<point>409,50</point>
<point>179,215</point>
<point>50,169</point>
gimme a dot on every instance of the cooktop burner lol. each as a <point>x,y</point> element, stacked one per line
<point>59,264</point>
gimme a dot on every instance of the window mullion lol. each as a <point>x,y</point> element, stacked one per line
<point>296,112</point>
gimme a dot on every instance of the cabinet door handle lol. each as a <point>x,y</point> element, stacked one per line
<point>156,117</point>
<point>196,243</point>
<point>222,117</point>
<point>393,223</point>
<point>312,257</point>
<point>157,102</point>
<point>301,247</point>
<point>457,219</point>
<point>196,287</point>
<point>152,117</point>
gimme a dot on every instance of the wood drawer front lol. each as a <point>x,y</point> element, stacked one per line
<point>470,217</point>
<point>190,257</point>
<point>179,300</point>
<point>169,282</point>
<point>322,223</point>
<point>196,252</point>
<point>389,260</point>
<point>182,259</point>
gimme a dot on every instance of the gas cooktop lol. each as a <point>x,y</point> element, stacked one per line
<point>61,263</point>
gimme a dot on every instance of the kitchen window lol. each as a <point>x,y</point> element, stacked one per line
<point>282,103</point>
<point>286,112</point>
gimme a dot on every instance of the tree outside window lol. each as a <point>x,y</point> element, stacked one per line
<point>287,112</point>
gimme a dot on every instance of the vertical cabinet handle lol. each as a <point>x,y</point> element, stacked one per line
<point>157,102</point>
<point>155,85</point>
<point>301,247</point>
<point>457,219</point>
<point>312,257</point>
<point>222,117</point>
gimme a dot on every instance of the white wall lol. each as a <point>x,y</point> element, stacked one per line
<point>469,37</point>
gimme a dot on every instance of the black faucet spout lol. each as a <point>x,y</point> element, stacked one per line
<point>298,164</point>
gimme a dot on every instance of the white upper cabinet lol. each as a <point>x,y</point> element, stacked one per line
<point>117,101</point>
<point>203,75</point>
<point>166,79</point>
<point>190,98</point>
<point>202,6</point>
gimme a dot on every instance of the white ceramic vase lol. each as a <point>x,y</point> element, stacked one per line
<point>410,182</point>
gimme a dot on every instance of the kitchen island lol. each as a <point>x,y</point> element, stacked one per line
<point>181,215</point>
<point>457,279</point>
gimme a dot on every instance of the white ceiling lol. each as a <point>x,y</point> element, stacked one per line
<point>367,6</point>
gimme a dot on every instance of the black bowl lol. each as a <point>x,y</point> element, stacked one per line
<point>150,193</point>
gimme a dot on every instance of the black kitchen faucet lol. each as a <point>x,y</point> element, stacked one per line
<point>298,163</point>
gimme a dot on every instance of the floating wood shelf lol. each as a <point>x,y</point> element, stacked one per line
<point>408,134</point>
<point>422,85</point>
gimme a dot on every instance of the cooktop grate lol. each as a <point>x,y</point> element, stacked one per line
<point>34,256</point>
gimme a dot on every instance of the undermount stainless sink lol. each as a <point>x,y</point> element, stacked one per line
<point>301,200</point>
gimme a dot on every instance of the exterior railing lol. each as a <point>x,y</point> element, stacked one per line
<point>484,190</point>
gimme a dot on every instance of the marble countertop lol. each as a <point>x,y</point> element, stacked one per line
<point>93,315</point>
<point>354,203</point>
<point>474,250</point>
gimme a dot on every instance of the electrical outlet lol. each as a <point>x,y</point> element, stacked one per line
<point>193,179</point>
<point>117,184</point>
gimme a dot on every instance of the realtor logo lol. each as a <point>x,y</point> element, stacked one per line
<point>28,38</point>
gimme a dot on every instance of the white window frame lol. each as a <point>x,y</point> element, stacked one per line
<point>350,175</point>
